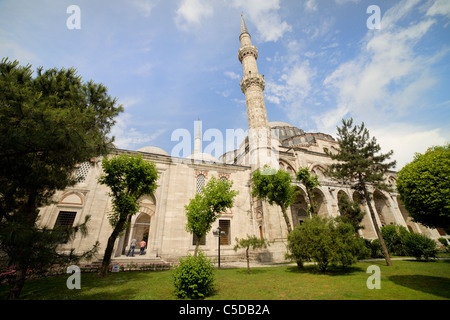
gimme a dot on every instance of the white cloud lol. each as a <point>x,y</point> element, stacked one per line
<point>144,6</point>
<point>311,5</point>
<point>388,76</point>
<point>191,12</point>
<point>439,7</point>
<point>265,17</point>
<point>346,1</point>
<point>406,140</point>
<point>291,90</point>
<point>130,138</point>
<point>232,75</point>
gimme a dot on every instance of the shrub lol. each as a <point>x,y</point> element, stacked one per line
<point>325,241</point>
<point>194,277</point>
<point>418,245</point>
<point>393,236</point>
<point>348,246</point>
<point>375,248</point>
<point>444,242</point>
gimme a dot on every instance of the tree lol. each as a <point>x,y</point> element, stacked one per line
<point>246,243</point>
<point>424,187</point>
<point>275,187</point>
<point>350,211</point>
<point>310,182</point>
<point>129,177</point>
<point>202,210</point>
<point>49,124</point>
<point>360,165</point>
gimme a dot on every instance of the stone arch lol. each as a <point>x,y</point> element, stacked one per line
<point>140,225</point>
<point>340,194</point>
<point>299,207</point>
<point>412,227</point>
<point>286,166</point>
<point>72,198</point>
<point>368,230</point>
<point>382,208</point>
<point>319,171</point>
<point>320,203</point>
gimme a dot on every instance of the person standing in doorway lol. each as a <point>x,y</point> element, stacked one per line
<point>143,243</point>
<point>132,246</point>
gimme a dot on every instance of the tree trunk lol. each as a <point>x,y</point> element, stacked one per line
<point>19,282</point>
<point>311,204</point>
<point>286,218</point>
<point>377,229</point>
<point>30,216</point>
<point>197,244</point>
<point>109,248</point>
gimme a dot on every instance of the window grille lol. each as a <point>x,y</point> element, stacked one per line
<point>200,183</point>
<point>225,227</point>
<point>65,220</point>
<point>82,171</point>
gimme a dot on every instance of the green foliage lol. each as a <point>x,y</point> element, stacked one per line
<point>129,177</point>
<point>275,187</point>
<point>424,187</point>
<point>359,158</point>
<point>360,163</point>
<point>310,182</point>
<point>49,124</point>
<point>194,277</point>
<point>419,245</point>
<point>250,241</point>
<point>394,236</point>
<point>325,241</point>
<point>374,248</point>
<point>350,211</point>
<point>202,210</point>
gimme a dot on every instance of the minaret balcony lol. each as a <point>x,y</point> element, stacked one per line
<point>252,79</point>
<point>246,51</point>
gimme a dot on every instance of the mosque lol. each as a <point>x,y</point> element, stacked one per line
<point>161,219</point>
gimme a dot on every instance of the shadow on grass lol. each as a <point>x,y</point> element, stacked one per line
<point>113,287</point>
<point>331,270</point>
<point>438,286</point>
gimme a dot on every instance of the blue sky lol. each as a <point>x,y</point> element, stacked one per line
<point>172,62</point>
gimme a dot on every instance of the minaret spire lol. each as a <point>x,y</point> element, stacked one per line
<point>243,27</point>
<point>252,85</point>
<point>198,138</point>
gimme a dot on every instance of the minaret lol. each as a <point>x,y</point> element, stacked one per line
<point>252,85</point>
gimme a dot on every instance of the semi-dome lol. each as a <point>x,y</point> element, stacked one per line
<point>154,150</point>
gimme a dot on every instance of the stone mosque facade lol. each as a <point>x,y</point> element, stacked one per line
<point>161,219</point>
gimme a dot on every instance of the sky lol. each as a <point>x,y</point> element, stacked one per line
<point>173,62</point>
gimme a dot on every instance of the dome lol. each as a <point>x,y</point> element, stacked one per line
<point>201,156</point>
<point>275,124</point>
<point>154,150</point>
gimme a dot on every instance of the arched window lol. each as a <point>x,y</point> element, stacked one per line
<point>200,183</point>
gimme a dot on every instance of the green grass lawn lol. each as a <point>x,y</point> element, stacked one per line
<point>405,280</point>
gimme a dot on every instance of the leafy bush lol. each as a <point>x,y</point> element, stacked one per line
<point>325,241</point>
<point>393,236</point>
<point>418,245</point>
<point>444,242</point>
<point>375,248</point>
<point>194,277</point>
